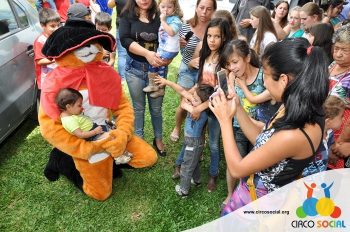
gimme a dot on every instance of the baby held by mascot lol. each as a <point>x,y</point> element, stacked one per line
<point>78,51</point>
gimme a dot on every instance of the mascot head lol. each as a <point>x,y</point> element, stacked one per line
<point>77,48</point>
<point>77,43</point>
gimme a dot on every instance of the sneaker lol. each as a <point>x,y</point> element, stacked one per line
<point>196,184</point>
<point>180,192</point>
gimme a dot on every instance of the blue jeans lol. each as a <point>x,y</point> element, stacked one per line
<point>190,168</point>
<point>122,55</point>
<point>214,144</point>
<point>243,144</point>
<point>187,77</point>
<point>137,79</point>
<point>162,69</point>
<point>95,137</point>
<point>39,4</point>
<point>193,129</point>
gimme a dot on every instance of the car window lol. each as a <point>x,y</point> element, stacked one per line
<point>7,19</point>
<point>23,20</point>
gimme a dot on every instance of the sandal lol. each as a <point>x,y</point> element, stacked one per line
<point>174,137</point>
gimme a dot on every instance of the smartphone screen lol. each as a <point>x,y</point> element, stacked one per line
<point>188,35</point>
<point>222,80</point>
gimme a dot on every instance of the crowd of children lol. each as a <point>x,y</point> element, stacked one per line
<point>272,88</point>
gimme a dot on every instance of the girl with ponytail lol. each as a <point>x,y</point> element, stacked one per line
<point>296,75</point>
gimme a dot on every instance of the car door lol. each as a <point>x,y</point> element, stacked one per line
<point>18,30</point>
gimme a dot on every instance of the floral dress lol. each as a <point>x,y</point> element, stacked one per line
<point>272,178</point>
<point>339,86</point>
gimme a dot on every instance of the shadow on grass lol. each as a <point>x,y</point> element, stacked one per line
<point>10,145</point>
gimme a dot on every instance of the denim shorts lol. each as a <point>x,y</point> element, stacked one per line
<point>167,55</point>
<point>243,144</point>
<point>187,77</point>
<point>95,137</point>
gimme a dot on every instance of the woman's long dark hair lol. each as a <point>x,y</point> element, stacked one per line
<point>284,20</point>
<point>226,36</point>
<point>194,20</point>
<point>241,48</point>
<point>131,10</point>
<point>307,89</point>
<point>323,34</point>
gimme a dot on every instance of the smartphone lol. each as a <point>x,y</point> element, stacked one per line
<point>188,35</point>
<point>222,80</point>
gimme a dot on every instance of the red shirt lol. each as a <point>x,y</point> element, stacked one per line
<point>62,8</point>
<point>38,55</point>
<point>85,2</point>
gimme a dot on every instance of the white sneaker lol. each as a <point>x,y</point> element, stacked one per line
<point>180,192</point>
<point>123,159</point>
<point>196,184</point>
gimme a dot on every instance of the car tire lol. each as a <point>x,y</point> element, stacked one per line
<point>35,109</point>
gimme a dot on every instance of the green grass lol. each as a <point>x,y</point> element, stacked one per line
<point>142,200</point>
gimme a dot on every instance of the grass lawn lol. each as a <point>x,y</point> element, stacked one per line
<point>142,200</point>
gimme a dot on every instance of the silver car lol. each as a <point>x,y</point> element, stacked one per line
<point>19,27</point>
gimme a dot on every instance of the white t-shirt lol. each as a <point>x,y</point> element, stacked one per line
<point>93,12</point>
<point>269,37</point>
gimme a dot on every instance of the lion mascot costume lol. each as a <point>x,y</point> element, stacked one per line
<point>78,50</point>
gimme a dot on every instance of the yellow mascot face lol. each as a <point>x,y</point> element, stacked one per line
<point>79,57</point>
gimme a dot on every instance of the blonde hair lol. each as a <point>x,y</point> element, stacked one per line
<point>333,106</point>
<point>178,11</point>
<point>296,8</point>
<point>311,9</point>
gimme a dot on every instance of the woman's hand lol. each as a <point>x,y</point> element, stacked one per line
<point>183,42</point>
<point>223,109</point>
<point>166,62</point>
<point>154,60</point>
<point>341,149</point>
<point>245,23</point>
<point>332,157</point>
<point>194,63</point>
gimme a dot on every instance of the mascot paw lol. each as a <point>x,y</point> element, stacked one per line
<point>51,171</point>
<point>117,146</point>
<point>51,175</point>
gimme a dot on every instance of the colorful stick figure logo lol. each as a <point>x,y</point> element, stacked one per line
<point>323,206</point>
